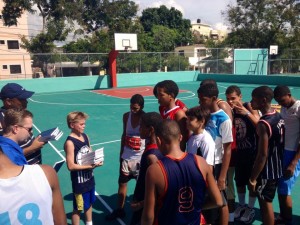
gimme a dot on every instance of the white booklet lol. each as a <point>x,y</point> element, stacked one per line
<point>52,134</point>
<point>92,157</point>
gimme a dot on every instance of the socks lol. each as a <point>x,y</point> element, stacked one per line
<point>251,202</point>
<point>242,198</point>
<point>89,223</point>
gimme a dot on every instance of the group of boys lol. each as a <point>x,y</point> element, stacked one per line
<point>250,139</point>
<point>182,158</point>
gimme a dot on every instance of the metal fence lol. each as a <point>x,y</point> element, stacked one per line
<point>219,61</point>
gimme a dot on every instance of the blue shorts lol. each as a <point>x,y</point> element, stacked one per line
<point>285,186</point>
<point>84,201</point>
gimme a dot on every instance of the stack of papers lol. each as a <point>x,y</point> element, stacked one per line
<point>92,157</point>
<point>52,134</point>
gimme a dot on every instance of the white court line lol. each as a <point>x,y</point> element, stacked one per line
<point>149,101</point>
<point>96,193</point>
<point>103,143</point>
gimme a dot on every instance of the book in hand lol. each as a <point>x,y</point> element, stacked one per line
<point>93,157</point>
<point>52,134</point>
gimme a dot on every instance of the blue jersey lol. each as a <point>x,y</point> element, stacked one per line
<point>139,191</point>
<point>275,129</point>
<point>82,180</point>
<point>185,189</point>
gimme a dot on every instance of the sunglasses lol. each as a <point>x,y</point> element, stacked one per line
<point>29,129</point>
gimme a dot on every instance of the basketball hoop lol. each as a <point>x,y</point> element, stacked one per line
<point>127,48</point>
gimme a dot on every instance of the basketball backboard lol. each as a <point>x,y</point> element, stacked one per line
<point>273,50</point>
<point>125,42</point>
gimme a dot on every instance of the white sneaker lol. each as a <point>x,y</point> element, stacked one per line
<point>248,216</point>
<point>238,212</point>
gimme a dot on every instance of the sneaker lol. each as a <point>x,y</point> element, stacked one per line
<point>238,212</point>
<point>117,213</point>
<point>248,216</point>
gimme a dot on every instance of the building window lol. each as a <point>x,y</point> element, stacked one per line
<point>181,52</point>
<point>201,52</point>
<point>4,67</point>
<point>15,69</point>
<point>2,42</point>
<point>13,44</point>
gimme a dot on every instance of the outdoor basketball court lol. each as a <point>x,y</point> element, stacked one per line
<point>104,127</point>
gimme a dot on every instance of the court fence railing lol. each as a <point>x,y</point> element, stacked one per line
<point>213,60</point>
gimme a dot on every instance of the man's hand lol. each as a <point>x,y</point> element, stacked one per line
<point>135,206</point>
<point>37,144</point>
<point>289,172</point>
<point>221,184</point>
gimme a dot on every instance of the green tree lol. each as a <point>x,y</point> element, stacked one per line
<point>170,18</point>
<point>116,15</point>
<point>161,39</point>
<point>259,24</point>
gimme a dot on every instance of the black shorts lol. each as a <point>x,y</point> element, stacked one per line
<point>243,173</point>
<point>266,189</point>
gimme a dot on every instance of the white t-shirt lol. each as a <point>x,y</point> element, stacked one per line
<point>291,118</point>
<point>26,198</point>
<point>220,128</point>
<point>206,144</point>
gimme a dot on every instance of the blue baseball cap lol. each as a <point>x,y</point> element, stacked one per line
<point>13,90</point>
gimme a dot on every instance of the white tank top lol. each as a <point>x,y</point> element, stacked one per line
<point>129,153</point>
<point>27,198</point>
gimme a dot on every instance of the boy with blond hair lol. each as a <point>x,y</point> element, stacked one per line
<point>83,182</point>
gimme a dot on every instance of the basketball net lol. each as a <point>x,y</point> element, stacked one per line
<point>128,48</point>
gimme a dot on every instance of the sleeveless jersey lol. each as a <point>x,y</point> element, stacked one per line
<point>275,129</point>
<point>26,194</point>
<point>82,180</point>
<point>139,190</point>
<point>184,191</point>
<point>134,145</point>
<point>169,114</point>
<point>246,137</point>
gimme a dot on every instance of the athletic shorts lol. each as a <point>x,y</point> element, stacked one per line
<point>129,169</point>
<point>84,201</point>
<point>285,185</point>
<point>266,189</point>
<point>243,173</point>
<point>230,187</point>
<point>212,215</point>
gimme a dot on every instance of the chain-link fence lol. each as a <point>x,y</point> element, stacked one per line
<point>204,60</point>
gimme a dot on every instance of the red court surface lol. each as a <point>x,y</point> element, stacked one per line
<point>128,92</point>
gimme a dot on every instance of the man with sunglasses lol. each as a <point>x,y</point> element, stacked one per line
<point>14,96</point>
<point>18,128</point>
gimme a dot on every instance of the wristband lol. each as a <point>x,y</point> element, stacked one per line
<point>248,113</point>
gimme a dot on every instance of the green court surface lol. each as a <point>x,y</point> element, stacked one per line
<point>104,128</point>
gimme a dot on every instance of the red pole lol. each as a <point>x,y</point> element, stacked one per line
<point>113,67</point>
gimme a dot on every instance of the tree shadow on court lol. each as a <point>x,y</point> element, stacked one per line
<point>99,81</point>
<point>68,197</point>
